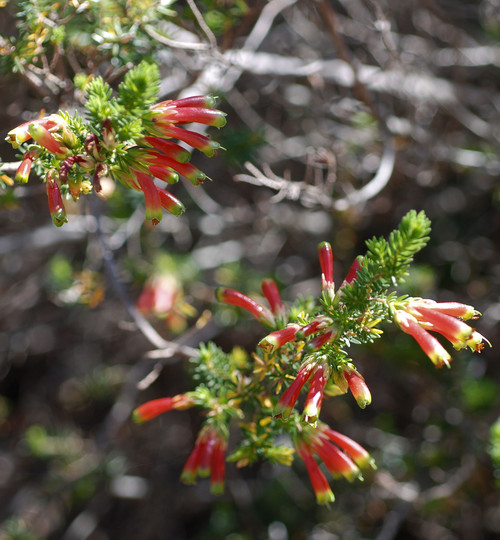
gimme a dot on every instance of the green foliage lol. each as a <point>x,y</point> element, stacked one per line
<point>95,29</point>
<point>479,394</point>
<point>130,109</point>
<point>139,88</point>
<point>387,261</point>
<point>99,102</point>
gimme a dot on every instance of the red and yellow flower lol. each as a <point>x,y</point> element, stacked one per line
<point>341,455</point>
<point>207,459</point>
<point>418,317</point>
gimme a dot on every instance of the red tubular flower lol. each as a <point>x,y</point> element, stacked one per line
<point>159,295</point>
<point>316,325</point>
<point>169,148</point>
<point>170,203</point>
<point>289,397</point>
<point>358,387</point>
<point>341,455</point>
<point>43,136</point>
<point>326,262</point>
<point>314,397</point>
<point>188,170</point>
<point>165,174</point>
<point>318,341</point>
<point>235,298</point>
<point>336,461</point>
<point>190,470</point>
<point>191,101</point>
<point>457,330</point>
<point>218,465</point>
<point>353,272</point>
<point>324,494</point>
<point>23,172</point>
<point>151,197</point>
<point>354,450</point>
<point>271,292</point>
<point>196,140</point>
<point>429,344</point>
<point>277,339</point>
<point>186,115</point>
<point>56,204</point>
<point>21,134</point>
<point>455,309</point>
<point>152,409</point>
<point>207,458</point>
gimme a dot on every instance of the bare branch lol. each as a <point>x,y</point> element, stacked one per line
<point>193,46</point>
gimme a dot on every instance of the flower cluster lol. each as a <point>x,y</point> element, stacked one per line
<point>341,455</point>
<point>209,453</point>
<point>75,155</point>
<point>417,317</point>
<point>317,367</point>
<point>305,352</point>
<point>157,156</point>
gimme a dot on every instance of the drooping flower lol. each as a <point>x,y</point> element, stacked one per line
<point>162,296</point>
<point>341,455</point>
<point>157,153</point>
<point>289,397</point>
<point>55,200</point>
<point>320,485</point>
<point>207,459</point>
<point>314,397</point>
<point>23,172</point>
<point>357,386</point>
<point>418,317</point>
<point>151,197</point>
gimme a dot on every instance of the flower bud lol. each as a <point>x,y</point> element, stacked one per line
<point>271,292</point>
<point>170,203</point>
<point>54,197</point>
<point>23,172</point>
<point>326,262</point>
<point>235,298</point>
<point>277,339</point>
<point>358,387</point>
<point>43,137</point>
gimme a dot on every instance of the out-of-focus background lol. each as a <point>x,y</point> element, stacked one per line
<point>342,116</point>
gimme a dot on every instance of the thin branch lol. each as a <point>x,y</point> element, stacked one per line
<point>376,184</point>
<point>332,23</point>
<point>288,189</point>
<point>203,25</point>
<point>264,23</point>
<point>173,43</point>
<point>141,322</point>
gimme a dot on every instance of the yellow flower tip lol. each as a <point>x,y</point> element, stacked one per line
<point>137,417</point>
